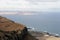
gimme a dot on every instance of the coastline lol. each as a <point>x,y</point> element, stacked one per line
<point>44,35</point>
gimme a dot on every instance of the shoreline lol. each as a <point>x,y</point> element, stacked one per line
<point>44,35</point>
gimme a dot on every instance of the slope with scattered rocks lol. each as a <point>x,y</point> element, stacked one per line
<point>10,30</point>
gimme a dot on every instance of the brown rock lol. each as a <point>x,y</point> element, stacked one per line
<point>10,30</point>
<point>8,25</point>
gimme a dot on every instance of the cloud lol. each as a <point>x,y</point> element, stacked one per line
<point>29,5</point>
<point>7,13</point>
<point>42,0</point>
<point>28,13</point>
<point>17,13</point>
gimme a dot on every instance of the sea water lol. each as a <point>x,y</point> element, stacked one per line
<point>49,22</point>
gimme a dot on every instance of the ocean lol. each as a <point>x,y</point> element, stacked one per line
<point>49,22</point>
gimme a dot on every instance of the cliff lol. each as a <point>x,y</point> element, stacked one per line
<point>10,30</point>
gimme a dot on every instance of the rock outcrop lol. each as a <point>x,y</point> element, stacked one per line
<point>10,30</point>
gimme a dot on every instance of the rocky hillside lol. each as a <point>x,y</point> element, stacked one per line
<point>10,30</point>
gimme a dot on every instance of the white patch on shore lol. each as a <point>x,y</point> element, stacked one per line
<point>57,34</point>
<point>46,35</point>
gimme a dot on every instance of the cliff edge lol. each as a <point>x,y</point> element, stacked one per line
<point>10,30</point>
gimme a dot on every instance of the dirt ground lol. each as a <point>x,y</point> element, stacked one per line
<point>52,38</point>
<point>48,38</point>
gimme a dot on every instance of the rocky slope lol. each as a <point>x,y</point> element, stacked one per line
<point>10,30</point>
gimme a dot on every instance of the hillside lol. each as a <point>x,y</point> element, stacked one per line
<point>10,30</point>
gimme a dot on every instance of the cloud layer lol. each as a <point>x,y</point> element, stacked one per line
<point>17,13</point>
<point>30,5</point>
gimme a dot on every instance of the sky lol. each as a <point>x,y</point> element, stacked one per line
<point>30,5</point>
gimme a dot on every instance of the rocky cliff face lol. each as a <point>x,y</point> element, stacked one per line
<point>10,30</point>
<point>12,35</point>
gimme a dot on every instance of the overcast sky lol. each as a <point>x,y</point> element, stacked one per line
<point>30,5</point>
